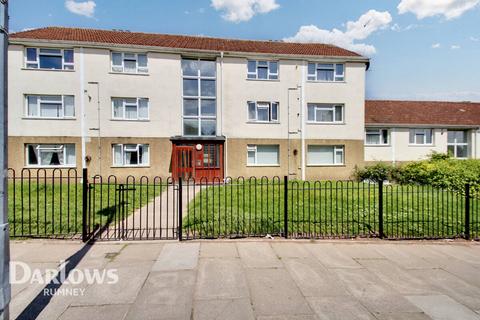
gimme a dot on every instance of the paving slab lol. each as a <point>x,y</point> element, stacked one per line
<point>338,308</point>
<point>290,250</point>
<point>360,251</point>
<point>401,255</point>
<point>274,293</point>
<point>177,256</point>
<point>54,252</point>
<point>224,309</point>
<point>290,317</point>
<point>443,307</point>
<point>218,250</point>
<point>108,312</point>
<point>313,279</point>
<point>374,294</point>
<point>332,257</point>
<point>258,255</point>
<point>403,316</point>
<point>460,252</point>
<point>221,278</point>
<point>139,252</point>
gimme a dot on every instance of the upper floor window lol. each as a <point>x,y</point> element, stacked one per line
<point>262,70</point>
<point>129,62</point>
<point>130,155</point>
<point>54,59</point>
<point>50,155</point>
<point>421,136</point>
<point>328,72</point>
<point>130,108</point>
<point>325,113</point>
<point>262,111</point>
<point>376,136</point>
<point>457,143</point>
<point>199,97</point>
<point>49,106</point>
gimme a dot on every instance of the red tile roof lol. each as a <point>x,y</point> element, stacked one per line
<point>181,42</point>
<point>422,113</point>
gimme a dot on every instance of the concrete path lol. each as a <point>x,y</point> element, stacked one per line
<point>257,280</point>
<point>156,220</point>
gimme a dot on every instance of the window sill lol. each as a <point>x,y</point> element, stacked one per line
<point>264,80</point>
<point>377,145</point>
<point>326,123</point>
<point>130,167</point>
<point>55,70</point>
<point>263,165</point>
<point>73,166</point>
<point>263,122</point>
<point>48,118</point>
<point>131,120</point>
<point>421,145</point>
<point>314,81</point>
<point>130,73</point>
<point>325,165</point>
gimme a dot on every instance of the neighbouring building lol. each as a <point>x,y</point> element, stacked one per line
<point>125,103</point>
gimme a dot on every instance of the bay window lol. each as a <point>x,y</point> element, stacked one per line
<point>326,72</point>
<point>49,59</point>
<point>50,155</point>
<point>262,70</point>
<point>262,111</point>
<point>421,136</point>
<point>130,155</point>
<point>263,155</point>
<point>457,143</point>
<point>325,113</point>
<point>129,62</point>
<point>130,108</point>
<point>376,137</point>
<point>43,106</point>
<point>325,155</point>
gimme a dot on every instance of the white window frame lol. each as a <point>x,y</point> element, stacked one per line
<point>416,131</point>
<point>254,148</point>
<point>39,101</point>
<point>327,107</point>
<point>68,66</point>
<point>337,149</point>
<point>124,103</point>
<point>139,70</point>
<point>456,144</point>
<point>336,77</point>
<point>124,147</point>
<point>199,117</point>
<point>271,76</point>
<point>380,133</point>
<point>263,105</point>
<point>57,147</point>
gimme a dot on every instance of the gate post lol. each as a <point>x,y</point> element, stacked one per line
<point>180,209</point>
<point>467,211</point>
<point>380,209</point>
<point>285,207</point>
<point>84,204</point>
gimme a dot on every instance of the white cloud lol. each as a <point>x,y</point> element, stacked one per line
<point>450,9</point>
<point>243,10</point>
<point>436,45</point>
<point>361,29</point>
<point>396,27</point>
<point>474,39</point>
<point>455,47</point>
<point>85,8</point>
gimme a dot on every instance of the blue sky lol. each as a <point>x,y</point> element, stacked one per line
<point>419,49</point>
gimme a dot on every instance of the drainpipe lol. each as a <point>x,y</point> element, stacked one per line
<point>393,137</point>
<point>302,117</point>
<point>83,115</point>
<point>225,158</point>
<point>5,288</point>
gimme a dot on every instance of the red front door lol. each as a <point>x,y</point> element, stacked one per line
<point>202,161</point>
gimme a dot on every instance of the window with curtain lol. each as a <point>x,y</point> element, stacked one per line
<point>131,155</point>
<point>262,70</point>
<point>38,106</point>
<point>421,136</point>
<point>457,144</point>
<point>263,155</point>
<point>325,113</point>
<point>50,155</point>
<point>376,136</point>
<point>325,155</point>
<point>326,72</point>
<point>199,97</point>
<point>129,62</point>
<point>262,111</point>
<point>47,58</point>
<point>130,108</point>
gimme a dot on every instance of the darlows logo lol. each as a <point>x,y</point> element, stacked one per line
<point>21,273</point>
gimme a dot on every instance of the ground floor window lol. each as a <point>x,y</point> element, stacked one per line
<point>263,155</point>
<point>131,155</point>
<point>325,155</point>
<point>50,155</point>
<point>376,136</point>
<point>421,136</point>
<point>457,143</point>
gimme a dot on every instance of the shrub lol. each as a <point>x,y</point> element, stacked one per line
<point>377,172</point>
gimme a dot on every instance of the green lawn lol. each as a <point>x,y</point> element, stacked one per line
<point>325,209</point>
<point>46,209</point>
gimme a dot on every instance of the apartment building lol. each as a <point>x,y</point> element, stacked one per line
<point>124,103</point>
<point>402,131</point>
